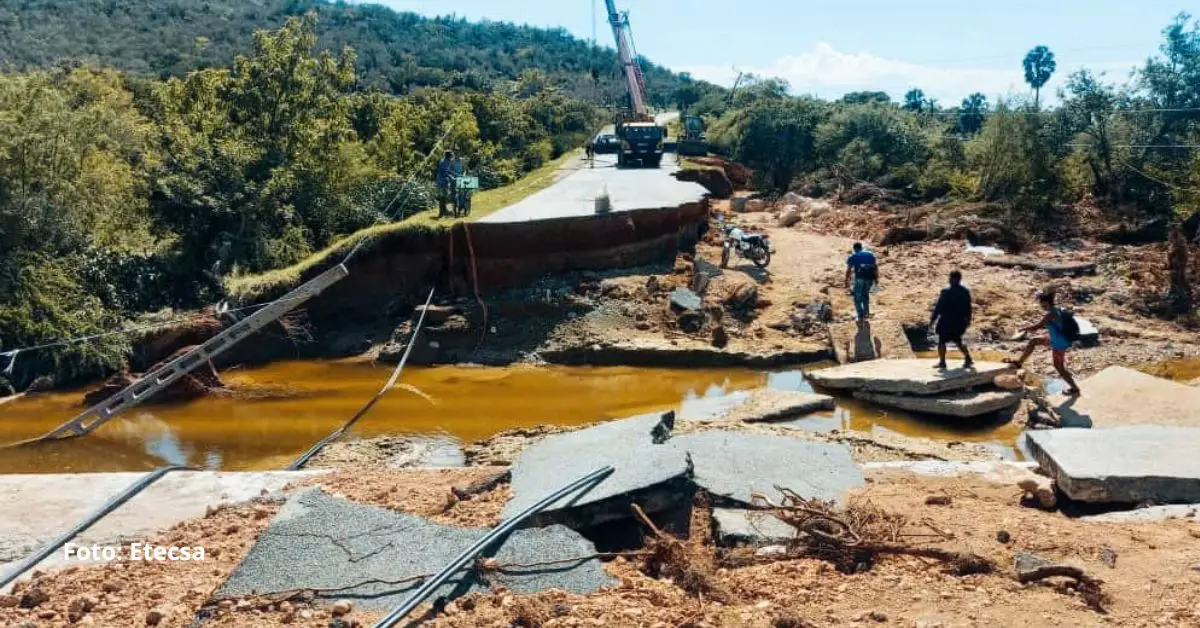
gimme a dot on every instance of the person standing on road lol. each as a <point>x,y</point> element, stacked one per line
<point>1054,320</point>
<point>445,172</point>
<point>951,318</point>
<point>866,274</point>
<point>457,169</point>
<point>589,150</point>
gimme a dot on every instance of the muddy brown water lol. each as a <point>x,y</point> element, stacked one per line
<point>279,411</point>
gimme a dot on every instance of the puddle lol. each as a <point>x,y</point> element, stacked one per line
<point>466,402</point>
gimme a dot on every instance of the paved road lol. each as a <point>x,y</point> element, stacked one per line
<point>629,189</point>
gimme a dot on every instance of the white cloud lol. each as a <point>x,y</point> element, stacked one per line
<point>829,73</point>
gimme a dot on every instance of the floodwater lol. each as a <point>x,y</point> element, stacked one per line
<point>278,411</point>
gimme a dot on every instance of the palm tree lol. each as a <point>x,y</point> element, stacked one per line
<point>1039,66</point>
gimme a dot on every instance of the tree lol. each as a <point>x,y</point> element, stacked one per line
<point>915,100</point>
<point>1039,67</point>
<point>971,113</point>
<point>776,138</point>
<point>687,95</point>
<point>861,98</point>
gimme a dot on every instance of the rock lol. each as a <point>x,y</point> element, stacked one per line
<point>81,605</point>
<point>1008,381</point>
<point>341,607</point>
<point>200,382</point>
<point>684,300</point>
<point>154,617</point>
<point>938,500</point>
<point>790,216</point>
<point>1118,396</point>
<point>755,205</point>
<point>719,337</point>
<point>771,551</point>
<point>1002,536</point>
<point>899,235</point>
<point>9,601</point>
<point>1134,464</point>
<point>792,198</point>
<point>6,388</point>
<point>738,204</point>
<point>915,377</point>
<point>735,292</point>
<point>1025,562</point>
<point>691,322</point>
<point>48,614</point>
<point>1041,489</point>
<point>962,404</point>
<point>113,586</point>
<point>33,598</point>
<point>734,527</point>
<point>318,541</point>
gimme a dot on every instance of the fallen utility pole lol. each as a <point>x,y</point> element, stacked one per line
<point>155,381</point>
<point>496,535</point>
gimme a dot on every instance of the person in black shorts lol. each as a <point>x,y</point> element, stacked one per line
<point>951,318</point>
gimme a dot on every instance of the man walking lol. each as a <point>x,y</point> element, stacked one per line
<point>445,172</point>
<point>862,263</point>
<point>951,318</point>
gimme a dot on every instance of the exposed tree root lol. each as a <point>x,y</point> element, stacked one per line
<point>1089,588</point>
<point>691,566</point>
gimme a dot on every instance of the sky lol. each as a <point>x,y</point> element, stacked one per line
<point>948,49</point>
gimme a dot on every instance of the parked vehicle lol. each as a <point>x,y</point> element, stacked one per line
<point>755,247</point>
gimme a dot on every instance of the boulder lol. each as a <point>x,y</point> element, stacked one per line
<point>1132,464</point>
<point>756,205</point>
<point>684,300</point>
<point>790,216</point>
<point>913,377</point>
<point>962,404</point>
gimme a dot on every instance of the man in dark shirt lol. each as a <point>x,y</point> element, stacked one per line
<point>444,178</point>
<point>951,318</point>
<point>866,273</point>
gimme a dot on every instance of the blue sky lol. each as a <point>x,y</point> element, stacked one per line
<point>949,49</point>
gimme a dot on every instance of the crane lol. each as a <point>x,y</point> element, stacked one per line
<point>642,140</point>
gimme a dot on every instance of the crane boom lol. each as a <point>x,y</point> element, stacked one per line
<point>629,65</point>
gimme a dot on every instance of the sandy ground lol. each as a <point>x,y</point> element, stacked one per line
<point>1154,579</point>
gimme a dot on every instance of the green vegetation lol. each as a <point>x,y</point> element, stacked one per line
<point>1129,148</point>
<point>123,193</point>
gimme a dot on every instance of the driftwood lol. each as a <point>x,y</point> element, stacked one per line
<point>1049,267</point>
<point>1089,588</point>
<point>479,487</point>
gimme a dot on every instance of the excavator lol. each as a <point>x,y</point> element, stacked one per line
<point>642,139</point>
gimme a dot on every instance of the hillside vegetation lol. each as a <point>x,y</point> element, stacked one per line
<point>396,52</point>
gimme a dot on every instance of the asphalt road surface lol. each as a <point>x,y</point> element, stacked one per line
<point>628,189</point>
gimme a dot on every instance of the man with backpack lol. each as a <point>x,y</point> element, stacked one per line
<point>866,274</point>
<point>1061,331</point>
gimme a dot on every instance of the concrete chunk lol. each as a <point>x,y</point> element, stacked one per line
<point>963,404</point>
<point>1122,464</point>
<point>873,340</point>
<point>653,475</point>
<point>320,541</point>
<point>733,465</point>
<point>913,377</point>
<point>734,526</point>
<point>759,405</point>
<point>1120,396</point>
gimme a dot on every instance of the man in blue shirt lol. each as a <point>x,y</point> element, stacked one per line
<point>866,273</point>
<point>445,173</point>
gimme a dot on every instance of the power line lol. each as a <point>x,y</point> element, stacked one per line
<point>1055,112</point>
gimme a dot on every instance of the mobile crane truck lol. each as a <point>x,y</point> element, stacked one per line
<point>642,140</point>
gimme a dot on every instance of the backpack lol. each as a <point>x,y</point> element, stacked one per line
<point>869,271</point>
<point>1068,324</point>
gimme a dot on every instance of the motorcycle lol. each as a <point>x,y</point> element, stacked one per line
<point>755,247</point>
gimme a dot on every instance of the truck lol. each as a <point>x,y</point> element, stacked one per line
<point>642,139</point>
<point>692,140</point>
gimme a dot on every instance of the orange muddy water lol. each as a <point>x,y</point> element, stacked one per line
<point>277,412</point>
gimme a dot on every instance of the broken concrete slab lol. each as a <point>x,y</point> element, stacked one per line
<point>998,471</point>
<point>873,340</point>
<point>1132,464</point>
<point>1120,396</point>
<point>962,404</point>
<point>731,466</point>
<point>914,377</point>
<point>1088,334</point>
<point>39,507</point>
<point>1151,514</point>
<point>684,300</point>
<point>735,526</point>
<point>655,476</point>
<point>756,406</point>
<point>324,542</point>
<point>1049,267</point>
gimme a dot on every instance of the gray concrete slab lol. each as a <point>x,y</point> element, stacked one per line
<point>755,406</point>
<point>318,540</point>
<point>736,526</point>
<point>37,508</point>
<point>961,404</point>
<point>1122,464</point>
<point>873,340</point>
<point>733,465</point>
<point>1151,514</point>
<point>913,377</point>
<point>651,474</point>
<point>1120,396</point>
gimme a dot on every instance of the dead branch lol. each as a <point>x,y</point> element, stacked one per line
<point>691,566</point>
<point>482,486</point>
<point>1088,587</point>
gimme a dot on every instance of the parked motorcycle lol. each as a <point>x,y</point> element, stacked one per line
<point>755,247</point>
